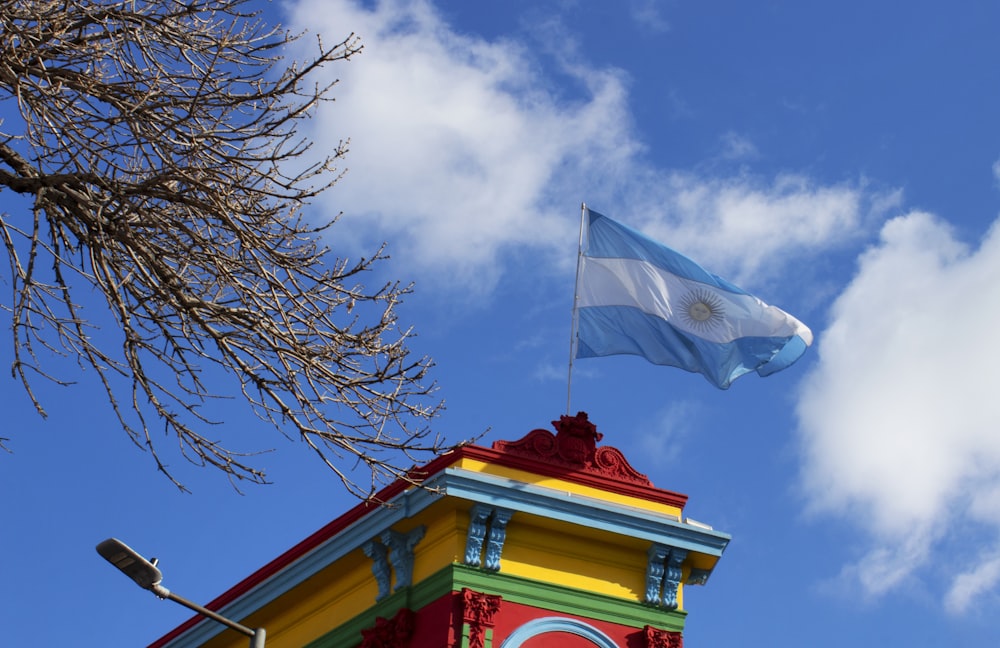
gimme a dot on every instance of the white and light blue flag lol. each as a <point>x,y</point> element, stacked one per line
<point>636,296</point>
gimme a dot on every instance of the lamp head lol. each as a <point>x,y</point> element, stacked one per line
<point>129,562</point>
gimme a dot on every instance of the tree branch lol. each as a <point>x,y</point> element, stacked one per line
<point>161,153</point>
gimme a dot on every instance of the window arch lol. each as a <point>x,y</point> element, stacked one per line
<point>544,625</point>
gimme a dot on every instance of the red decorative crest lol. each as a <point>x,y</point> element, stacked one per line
<point>575,446</point>
<point>389,633</point>
<point>478,610</point>
<point>656,638</point>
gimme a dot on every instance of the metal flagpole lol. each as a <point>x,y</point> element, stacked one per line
<point>575,319</point>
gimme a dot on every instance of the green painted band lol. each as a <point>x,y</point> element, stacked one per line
<point>524,591</point>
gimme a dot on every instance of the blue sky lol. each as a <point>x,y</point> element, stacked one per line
<point>840,160</point>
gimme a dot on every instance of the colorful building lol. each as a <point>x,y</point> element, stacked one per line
<point>547,542</point>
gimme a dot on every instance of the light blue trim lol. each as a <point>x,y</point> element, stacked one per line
<point>538,627</point>
<point>489,490</point>
<point>582,510</point>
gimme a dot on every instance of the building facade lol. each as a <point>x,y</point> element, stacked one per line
<point>550,541</point>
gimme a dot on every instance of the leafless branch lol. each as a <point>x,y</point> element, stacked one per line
<point>160,150</point>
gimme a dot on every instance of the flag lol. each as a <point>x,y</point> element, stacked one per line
<point>636,296</point>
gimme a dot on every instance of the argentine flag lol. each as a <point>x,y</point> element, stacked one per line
<point>636,296</point>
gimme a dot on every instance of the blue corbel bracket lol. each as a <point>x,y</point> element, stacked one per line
<point>672,579</point>
<point>401,553</point>
<point>395,549</point>
<point>656,555</point>
<point>479,516</point>
<point>487,526</point>
<point>496,537</point>
<point>697,577</point>
<point>663,575</point>
<point>380,566</point>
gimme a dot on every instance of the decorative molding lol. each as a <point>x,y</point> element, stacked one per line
<point>656,638</point>
<point>487,526</point>
<point>574,446</point>
<point>496,537</point>
<point>479,515</point>
<point>389,633</point>
<point>655,570</point>
<point>401,553</point>
<point>478,613</point>
<point>698,577</point>
<point>380,566</point>
<point>664,573</point>
<point>672,579</point>
<point>397,550</point>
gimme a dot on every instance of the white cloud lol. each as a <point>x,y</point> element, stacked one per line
<point>737,147</point>
<point>455,142</point>
<point>900,416</point>
<point>463,148</point>
<point>967,586</point>
<point>884,568</point>
<point>648,16</point>
<point>548,371</point>
<point>662,435</point>
<point>996,171</point>
<point>746,229</point>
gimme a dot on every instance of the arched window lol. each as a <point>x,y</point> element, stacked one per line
<point>546,625</point>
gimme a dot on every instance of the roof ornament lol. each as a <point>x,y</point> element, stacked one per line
<point>574,447</point>
<point>576,438</point>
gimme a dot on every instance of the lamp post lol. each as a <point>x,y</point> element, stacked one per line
<point>147,576</point>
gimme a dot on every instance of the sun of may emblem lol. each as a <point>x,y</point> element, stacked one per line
<point>701,309</point>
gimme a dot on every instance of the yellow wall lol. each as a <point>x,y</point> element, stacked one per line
<point>447,524</point>
<point>347,588</point>
<point>574,556</point>
<point>324,601</point>
<point>566,486</point>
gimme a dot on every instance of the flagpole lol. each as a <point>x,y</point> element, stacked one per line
<point>575,318</point>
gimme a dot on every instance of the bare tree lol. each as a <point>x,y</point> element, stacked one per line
<point>158,144</point>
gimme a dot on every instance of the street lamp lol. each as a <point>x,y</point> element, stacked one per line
<point>147,576</point>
